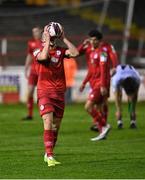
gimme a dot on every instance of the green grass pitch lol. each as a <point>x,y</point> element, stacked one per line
<point>122,155</point>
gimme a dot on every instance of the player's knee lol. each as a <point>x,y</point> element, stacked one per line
<point>30,91</point>
<point>99,107</point>
<point>54,127</point>
<point>87,107</point>
<point>30,94</point>
<point>47,119</point>
<point>57,122</point>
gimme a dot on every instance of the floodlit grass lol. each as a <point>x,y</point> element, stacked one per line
<point>122,155</point>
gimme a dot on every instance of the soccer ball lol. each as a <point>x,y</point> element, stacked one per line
<point>55,30</point>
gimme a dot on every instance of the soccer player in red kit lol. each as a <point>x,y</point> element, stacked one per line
<point>99,78</point>
<point>86,48</point>
<point>30,72</point>
<point>51,87</point>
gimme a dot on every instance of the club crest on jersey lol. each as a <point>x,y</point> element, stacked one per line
<point>58,52</point>
<point>54,60</point>
<point>41,107</point>
<point>104,48</point>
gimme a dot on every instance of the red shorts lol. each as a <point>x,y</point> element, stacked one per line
<point>96,96</point>
<point>48,103</point>
<point>33,77</point>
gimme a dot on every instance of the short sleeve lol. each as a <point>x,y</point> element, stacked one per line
<point>103,57</point>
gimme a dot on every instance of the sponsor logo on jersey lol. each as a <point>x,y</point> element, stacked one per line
<point>103,57</point>
<point>104,49</point>
<point>95,56</point>
<point>36,52</point>
<point>54,60</point>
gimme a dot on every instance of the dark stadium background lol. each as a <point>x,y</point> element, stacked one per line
<point>17,18</point>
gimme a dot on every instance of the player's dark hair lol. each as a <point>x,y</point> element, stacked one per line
<point>96,33</point>
<point>129,85</point>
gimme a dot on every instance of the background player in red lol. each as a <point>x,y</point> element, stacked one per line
<point>51,86</point>
<point>86,48</point>
<point>99,78</point>
<point>30,72</point>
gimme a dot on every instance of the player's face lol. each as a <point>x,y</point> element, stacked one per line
<point>52,44</point>
<point>36,33</point>
<point>94,42</point>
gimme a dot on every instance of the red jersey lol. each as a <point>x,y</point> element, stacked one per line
<point>33,45</point>
<point>99,72</point>
<point>51,76</point>
<point>112,53</point>
<point>87,49</point>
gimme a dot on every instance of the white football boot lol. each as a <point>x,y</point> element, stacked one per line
<point>103,134</point>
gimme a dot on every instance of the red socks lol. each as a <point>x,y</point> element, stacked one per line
<point>105,110</point>
<point>55,133</point>
<point>98,121</point>
<point>93,114</point>
<point>49,142</point>
<point>30,106</point>
<point>101,118</point>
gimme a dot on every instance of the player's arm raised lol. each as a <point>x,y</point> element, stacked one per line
<point>82,47</point>
<point>44,54</point>
<point>72,51</point>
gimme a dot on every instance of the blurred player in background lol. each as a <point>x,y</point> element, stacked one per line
<point>86,48</point>
<point>30,72</point>
<point>70,67</point>
<point>127,78</point>
<point>51,85</point>
<point>99,78</point>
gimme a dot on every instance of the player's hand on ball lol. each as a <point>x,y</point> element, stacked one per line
<point>82,87</point>
<point>104,91</point>
<point>46,28</point>
<point>46,34</point>
<point>63,34</point>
